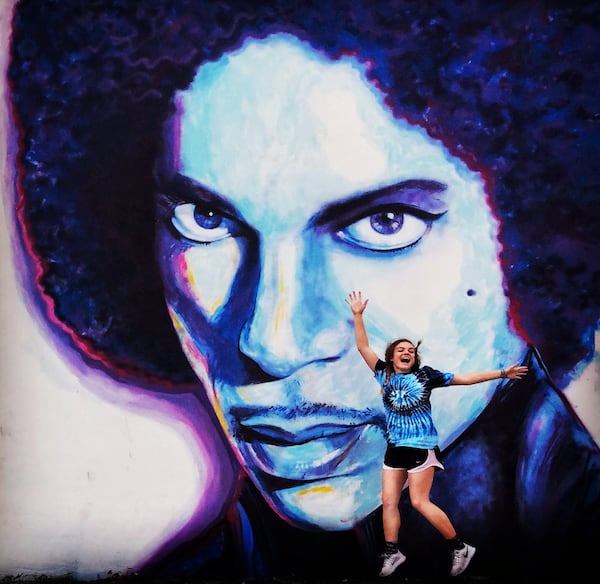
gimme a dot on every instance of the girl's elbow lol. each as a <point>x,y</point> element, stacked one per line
<point>461,381</point>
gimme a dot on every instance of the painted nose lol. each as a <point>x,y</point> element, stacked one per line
<point>293,323</point>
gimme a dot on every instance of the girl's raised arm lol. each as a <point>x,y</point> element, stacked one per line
<point>357,305</point>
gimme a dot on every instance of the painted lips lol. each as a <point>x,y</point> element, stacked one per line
<point>308,452</point>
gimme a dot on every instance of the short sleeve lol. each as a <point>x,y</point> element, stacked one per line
<point>437,378</point>
<point>379,372</point>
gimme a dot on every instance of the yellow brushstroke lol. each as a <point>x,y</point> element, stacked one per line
<point>220,416</point>
<point>176,320</point>
<point>313,490</point>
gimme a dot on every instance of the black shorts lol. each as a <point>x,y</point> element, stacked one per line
<point>411,459</point>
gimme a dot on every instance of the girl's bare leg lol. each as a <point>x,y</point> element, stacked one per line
<point>419,485</point>
<point>392,482</point>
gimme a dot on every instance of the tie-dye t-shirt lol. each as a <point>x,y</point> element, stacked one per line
<point>407,405</point>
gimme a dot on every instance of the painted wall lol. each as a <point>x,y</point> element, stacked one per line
<point>112,458</point>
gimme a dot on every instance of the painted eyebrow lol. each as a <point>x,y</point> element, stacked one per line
<point>424,196</point>
<point>180,188</point>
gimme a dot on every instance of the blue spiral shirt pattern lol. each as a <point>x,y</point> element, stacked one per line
<point>406,399</point>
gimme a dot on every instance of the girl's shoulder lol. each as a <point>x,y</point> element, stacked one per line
<point>427,369</point>
<point>434,377</point>
<point>379,366</point>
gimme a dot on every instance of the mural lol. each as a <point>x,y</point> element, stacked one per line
<point>199,185</point>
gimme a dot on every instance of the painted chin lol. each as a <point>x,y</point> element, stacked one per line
<point>329,482</point>
<point>336,504</point>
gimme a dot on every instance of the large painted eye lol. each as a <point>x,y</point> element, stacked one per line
<point>201,224</point>
<point>386,231</point>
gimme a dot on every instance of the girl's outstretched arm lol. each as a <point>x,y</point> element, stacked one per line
<point>513,372</point>
<point>357,305</point>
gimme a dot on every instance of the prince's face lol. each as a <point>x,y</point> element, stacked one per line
<point>290,184</point>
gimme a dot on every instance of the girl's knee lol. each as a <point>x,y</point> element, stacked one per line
<point>390,501</point>
<point>419,503</point>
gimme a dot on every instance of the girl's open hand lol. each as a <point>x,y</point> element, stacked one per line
<point>356,303</point>
<point>516,371</point>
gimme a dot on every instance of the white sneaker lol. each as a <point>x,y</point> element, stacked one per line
<point>461,559</point>
<point>391,562</point>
